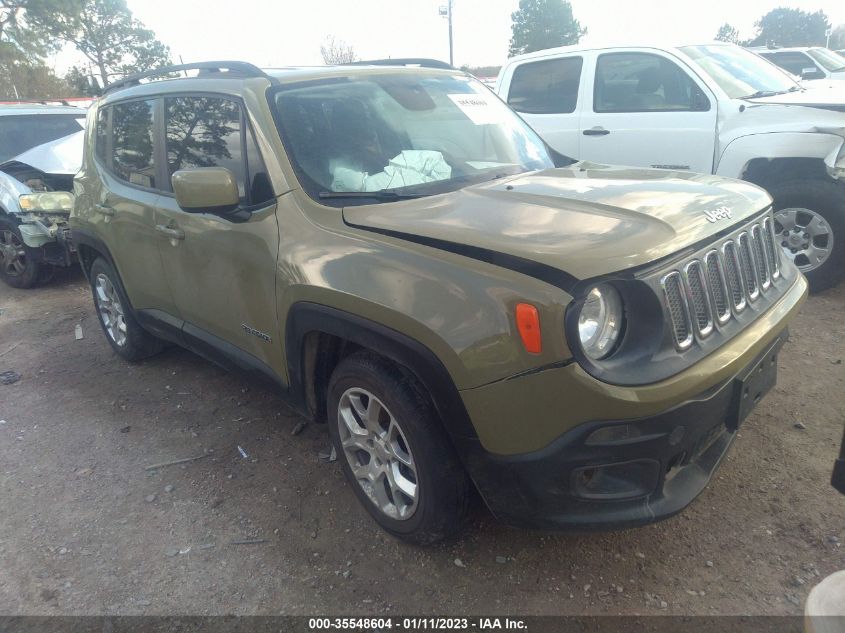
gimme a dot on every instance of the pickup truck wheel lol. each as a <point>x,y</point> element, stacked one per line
<point>18,268</point>
<point>122,330</point>
<point>394,451</point>
<point>810,226</point>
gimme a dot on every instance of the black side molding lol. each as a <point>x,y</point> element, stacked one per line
<point>543,272</point>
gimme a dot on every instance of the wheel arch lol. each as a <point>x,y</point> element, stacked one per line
<point>89,247</point>
<point>318,337</point>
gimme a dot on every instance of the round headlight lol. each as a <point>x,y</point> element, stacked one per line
<point>600,321</point>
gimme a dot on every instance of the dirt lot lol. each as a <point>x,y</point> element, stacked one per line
<point>85,528</point>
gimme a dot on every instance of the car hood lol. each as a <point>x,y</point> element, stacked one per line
<point>62,156</point>
<point>585,220</point>
<point>827,95</point>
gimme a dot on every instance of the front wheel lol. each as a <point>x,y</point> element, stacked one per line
<point>810,227</point>
<point>18,266</point>
<point>394,451</point>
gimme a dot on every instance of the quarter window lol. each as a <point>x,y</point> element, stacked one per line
<point>208,132</point>
<point>132,133</point>
<point>640,82</point>
<point>546,87</point>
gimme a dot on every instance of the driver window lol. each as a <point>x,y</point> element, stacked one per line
<point>641,82</point>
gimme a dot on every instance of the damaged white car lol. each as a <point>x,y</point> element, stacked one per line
<point>40,152</point>
<point>713,108</point>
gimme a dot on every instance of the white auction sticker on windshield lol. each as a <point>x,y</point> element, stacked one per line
<point>481,109</point>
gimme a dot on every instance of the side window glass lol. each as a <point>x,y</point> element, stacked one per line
<point>260,189</point>
<point>546,87</point>
<point>132,134</point>
<point>205,132</point>
<point>102,136</point>
<point>640,82</point>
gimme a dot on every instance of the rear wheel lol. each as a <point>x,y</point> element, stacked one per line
<point>18,267</point>
<point>122,330</point>
<point>394,451</point>
<point>810,227</point>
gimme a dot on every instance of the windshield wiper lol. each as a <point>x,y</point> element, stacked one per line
<point>375,195</point>
<point>763,93</point>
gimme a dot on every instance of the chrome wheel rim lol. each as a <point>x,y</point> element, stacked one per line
<point>378,453</point>
<point>110,309</point>
<point>12,254</point>
<point>805,237</point>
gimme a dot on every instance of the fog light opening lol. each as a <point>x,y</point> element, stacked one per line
<point>616,481</point>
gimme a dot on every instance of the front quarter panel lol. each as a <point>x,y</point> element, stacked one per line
<point>460,309</point>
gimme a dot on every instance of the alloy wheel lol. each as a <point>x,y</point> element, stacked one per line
<point>805,237</point>
<point>110,309</point>
<point>378,453</point>
<point>12,254</point>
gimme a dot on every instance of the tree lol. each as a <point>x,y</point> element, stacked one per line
<point>539,24</point>
<point>791,27</point>
<point>337,52</point>
<point>20,79</point>
<point>113,41</point>
<point>727,33</point>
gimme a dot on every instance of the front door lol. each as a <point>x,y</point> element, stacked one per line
<point>221,269</point>
<point>648,111</point>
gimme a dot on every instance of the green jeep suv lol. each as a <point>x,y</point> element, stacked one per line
<point>405,260</point>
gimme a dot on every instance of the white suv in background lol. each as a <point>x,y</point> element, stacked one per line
<point>806,62</point>
<point>712,108</point>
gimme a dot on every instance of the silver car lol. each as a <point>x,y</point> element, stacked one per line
<point>40,151</point>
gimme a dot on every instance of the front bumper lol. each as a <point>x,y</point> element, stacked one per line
<point>669,461</point>
<point>543,486</point>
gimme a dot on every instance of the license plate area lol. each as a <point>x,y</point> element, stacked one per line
<point>753,384</point>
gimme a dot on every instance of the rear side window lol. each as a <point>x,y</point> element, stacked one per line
<point>210,132</point>
<point>546,87</point>
<point>132,143</point>
<point>641,82</point>
<point>102,135</point>
<point>794,62</point>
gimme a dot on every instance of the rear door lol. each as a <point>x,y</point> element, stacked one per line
<point>647,109</point>
<point>221,268</point>
<point>126,195</point>
<point>546,94</point>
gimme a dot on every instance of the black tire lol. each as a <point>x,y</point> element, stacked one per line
<point>443,496</point>
<point>828,200</point>
<point>26,271</point>
<point>137,343</point>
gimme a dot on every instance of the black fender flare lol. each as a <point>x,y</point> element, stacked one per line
<point>306,317</point>
<point>81,237</point>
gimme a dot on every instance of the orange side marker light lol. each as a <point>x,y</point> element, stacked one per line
<point>528,323</point>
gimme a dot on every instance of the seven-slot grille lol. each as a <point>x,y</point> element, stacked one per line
<point>710,289</point>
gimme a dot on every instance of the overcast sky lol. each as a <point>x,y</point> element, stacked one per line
<point>288,32</point>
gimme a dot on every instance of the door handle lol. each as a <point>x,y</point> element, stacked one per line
<point>596,131</point>
<point>104,210</point>
<point>173,234</point>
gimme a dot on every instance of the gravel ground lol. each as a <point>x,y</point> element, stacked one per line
<point>86,528</point>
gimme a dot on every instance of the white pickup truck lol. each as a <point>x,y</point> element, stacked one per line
<point>713,108</point>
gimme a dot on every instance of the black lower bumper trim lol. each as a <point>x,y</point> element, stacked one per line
<point>537,490</point>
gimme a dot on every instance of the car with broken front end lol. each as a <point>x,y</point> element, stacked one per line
<point>405,260</point>
<point>40,151</point>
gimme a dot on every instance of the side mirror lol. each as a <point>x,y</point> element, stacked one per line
<point>811,73</point>
<point>206,190</point>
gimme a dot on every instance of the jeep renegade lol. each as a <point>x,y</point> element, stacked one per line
<point>396,250</point>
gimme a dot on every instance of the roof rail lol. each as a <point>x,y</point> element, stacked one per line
<point>241,69</point>
<point>404,61</point>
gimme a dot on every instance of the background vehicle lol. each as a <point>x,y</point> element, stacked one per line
<point>806,62</point>
<point>40,151</point>
<point>714,108</point>
<point>394,249</point>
